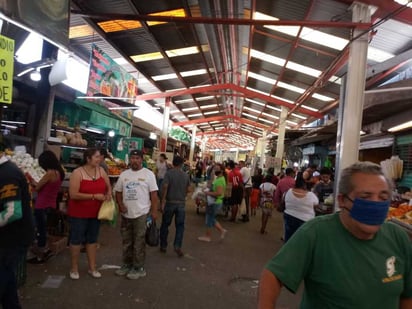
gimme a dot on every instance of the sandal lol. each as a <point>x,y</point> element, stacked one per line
<point>74,275</point>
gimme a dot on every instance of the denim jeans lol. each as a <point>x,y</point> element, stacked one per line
<point>211,211</point>
<point>40,216</point>
<point>178,211</point>
<point>291,225</point>
<point>9,259</point>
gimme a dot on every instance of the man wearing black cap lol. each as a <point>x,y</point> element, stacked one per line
<point>16,227</point>
<point>176,184</point>
<point>136,195</point>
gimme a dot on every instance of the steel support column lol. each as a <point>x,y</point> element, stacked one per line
<point>280,147</point>
<point>165,128</point>
<point>354,94</point>
<point>192,145</point>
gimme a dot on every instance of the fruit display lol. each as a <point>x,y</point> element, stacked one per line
<point>402,213</point>
<point>74,139</point>
<point>115,166</point>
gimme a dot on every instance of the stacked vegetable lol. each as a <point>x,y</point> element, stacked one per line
<point>27,164</point>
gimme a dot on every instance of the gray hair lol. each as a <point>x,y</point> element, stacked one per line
<point>366,167</point>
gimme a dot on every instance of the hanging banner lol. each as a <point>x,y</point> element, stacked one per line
<point>50,18</point>
<point>108,78</point>
<point>6,69</point>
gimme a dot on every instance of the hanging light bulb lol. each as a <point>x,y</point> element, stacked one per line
<point>35,75</point>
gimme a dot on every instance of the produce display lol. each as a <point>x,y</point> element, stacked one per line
<point>115,166</point>
<point>402,213</point>
<point>26,163</point>
<point>74,139</point>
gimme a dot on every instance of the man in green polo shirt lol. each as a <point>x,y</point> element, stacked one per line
<point>351,259</point>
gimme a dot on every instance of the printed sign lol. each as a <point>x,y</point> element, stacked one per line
<point>109,78</point>
<point>6,69</point>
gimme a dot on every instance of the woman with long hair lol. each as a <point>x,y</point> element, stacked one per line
<point>299,206</point>
<point>89,187</point>
<point>47,189</point>
<point>216,193</point>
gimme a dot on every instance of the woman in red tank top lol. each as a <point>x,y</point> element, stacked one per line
<point>89,187</point>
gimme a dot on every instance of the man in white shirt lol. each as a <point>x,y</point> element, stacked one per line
<point>161,169</point>
<point>247,183</point>
<point>136,195</point>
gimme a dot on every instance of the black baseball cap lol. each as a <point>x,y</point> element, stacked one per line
<point>136,152</point>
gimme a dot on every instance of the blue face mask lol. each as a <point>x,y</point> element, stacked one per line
<point>369,212</point>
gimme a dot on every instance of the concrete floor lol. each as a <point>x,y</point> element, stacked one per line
<point>220,274</point>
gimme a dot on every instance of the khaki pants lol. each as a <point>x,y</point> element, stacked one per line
<point>134,244</point>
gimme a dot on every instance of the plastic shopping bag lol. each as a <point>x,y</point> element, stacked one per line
<point>152,234</point>
<point>107,210</point>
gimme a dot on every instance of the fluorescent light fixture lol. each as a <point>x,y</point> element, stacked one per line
<point>211,112</point>
<point>211,122</point>
<point>262,78</point>
<point>188,109</point>
<point>193,73</point>
<point>249,115</point>
<point>251,109</point>
<point>402,126</point>
<point>299,116</point>
<point>270,115</point>
<point>164,77</point>
<point>208,106</point>
<point>35,75</point>
<point>123,108</point>
<point>205,98</point>
<point>170,53</point>
<point>13,122</point>
<point>310,108</point>
<point>184,101</point>
<point>274,108</point>
<point>95,130</point>
<point>404,2</point>
<point>175,111</point>
<point>291,122</point>
<point>264,120</point>
<point>30,51</point>
<point>8,126</point>
<point>194,115</point>
<point>152,136</point>
<point>254,102</point>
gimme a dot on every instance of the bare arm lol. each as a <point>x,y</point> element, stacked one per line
<point>107,181</point>
<point>119,200</point>
<point>269,290</point>
<point>154,200</point>
<point>405,303</point>
<point>163,197</point>
<point>45,179</point>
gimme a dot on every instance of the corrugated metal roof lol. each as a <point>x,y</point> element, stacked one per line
<point>226,58</point>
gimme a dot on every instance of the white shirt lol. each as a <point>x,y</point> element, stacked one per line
<point>161,169</point>
<point>247,180</point>
<point>136,187</point>
<point>301,208</point>
<point>269,188</point>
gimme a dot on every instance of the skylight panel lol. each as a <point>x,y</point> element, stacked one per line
<point>321,38</point>
<point>170,53</point>
<point>31,50</point>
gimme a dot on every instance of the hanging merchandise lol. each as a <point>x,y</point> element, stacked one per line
<point>393,168</point>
